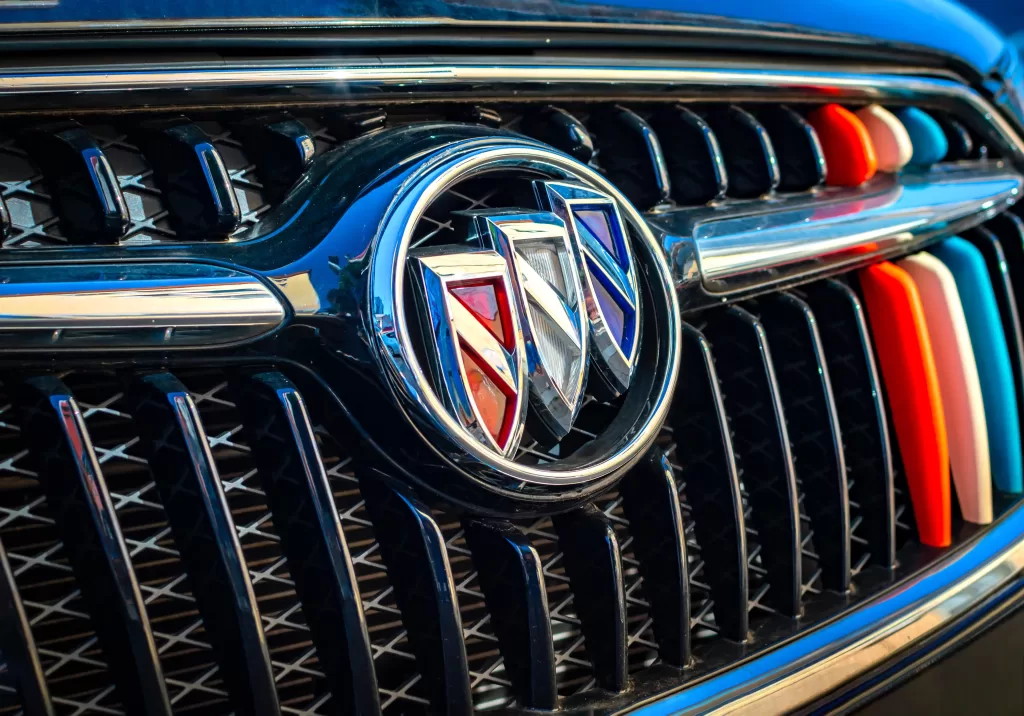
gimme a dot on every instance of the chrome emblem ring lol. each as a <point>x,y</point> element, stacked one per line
<point>496,339</point>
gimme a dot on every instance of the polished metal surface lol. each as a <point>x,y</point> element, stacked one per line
<point>395,332</point>
<point>547,275</point>
<point>811,667</point>
<point>134,306</point>
<point>457,335</point>
<point>496,77</point>
<point>757,245</point>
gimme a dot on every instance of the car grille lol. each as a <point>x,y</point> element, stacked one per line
<point>780,390</point>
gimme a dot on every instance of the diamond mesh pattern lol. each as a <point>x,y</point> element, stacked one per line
<point>73,664</point>
<point>573,670</point>
<point>642,649</point>
<point>301,686</point>
<point>702,618</point>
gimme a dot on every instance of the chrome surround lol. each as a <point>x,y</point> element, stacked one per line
<point>132,306</point>
<point>494,77</point>
<point>815,664</point>
<point>555,400</point>
<point>394,334</point>
<point>758,244</point>
<point>449,326</point>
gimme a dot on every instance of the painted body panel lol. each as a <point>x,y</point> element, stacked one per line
<point>938,25</point>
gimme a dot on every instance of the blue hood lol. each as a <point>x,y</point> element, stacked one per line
<point>935,25</point>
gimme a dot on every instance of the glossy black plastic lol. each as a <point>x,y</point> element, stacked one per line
<point>5,220</point>
<point>749,153</point>
<point>630,154</point>
<point>650,500</point>
<point>475,115</point>
<point>863,422</point>
<point>191,174</point>
<point>61,452</point>
<point>760,438</point>
<point>560,129</point>
<point>349,124</point>
<point>1009,309</point>
<point>414,552</point>
<point>19,647</point>
<point>693,156</point>
<point>704,449</point>
<point>281,148</point>
<point>282,440</point>
<point>85,190</point>
<point>511,574</point>
<point>959,139</point>
<point>175,444</point>
<point>815,438</point>
<point>801,159</point>
<point>593,562</point>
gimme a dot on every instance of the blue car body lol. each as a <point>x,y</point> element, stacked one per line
<point>939,26</point>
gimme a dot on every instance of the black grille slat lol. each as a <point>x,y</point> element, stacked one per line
<point>19,647</point>
<point>192,175</point>
<point>176,446</point>
<point>862,420</point>
<point>650,500</point>
<point>749,154</point>
<point>816,441</point>
<point>512,578</point>
<point>77,496</point>
<point>751,395</point>
<point>630,154</point>
<point>704,451</point>
<point>593,562</point>
<point>560,129</point>
<point>801,159</point>
<point>694,159</point>
<point>281,148</point>
<point>283,442</point>
<point>85,190</point>
<point>417,562</point>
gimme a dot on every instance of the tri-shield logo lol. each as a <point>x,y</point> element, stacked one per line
<point>527,306</point>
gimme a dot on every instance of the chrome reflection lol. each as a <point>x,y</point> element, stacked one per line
<point>755,246</point>
<point>137,306</point>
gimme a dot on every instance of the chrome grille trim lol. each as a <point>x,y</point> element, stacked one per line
<point>361,80</point>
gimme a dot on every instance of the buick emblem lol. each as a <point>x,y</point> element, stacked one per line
<point>526,320</point>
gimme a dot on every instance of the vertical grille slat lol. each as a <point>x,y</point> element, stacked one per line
<point>176,446</point>
<point>863,422</point>
<point>629,152</point>
<point>284,444</point>
<point>749,153</point>
<point>19,646</point>
<point>560,129</point>
<point>703,444</point>
<point>511,574</point>
<point>692,154</point>
<point>1006,296</point>
<point>62,454</point>
<point>85,190</point>
<point>650,500</point>
<point>593,562</point>
<point>191,173</point>
<point>816,440</point>
<point>417,562</point>
<point>751,395</point>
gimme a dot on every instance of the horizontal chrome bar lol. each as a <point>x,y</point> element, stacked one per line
<point>119,306</point>
<point>761,243</point>
<point>376,80</point>
<point>813,666</point>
